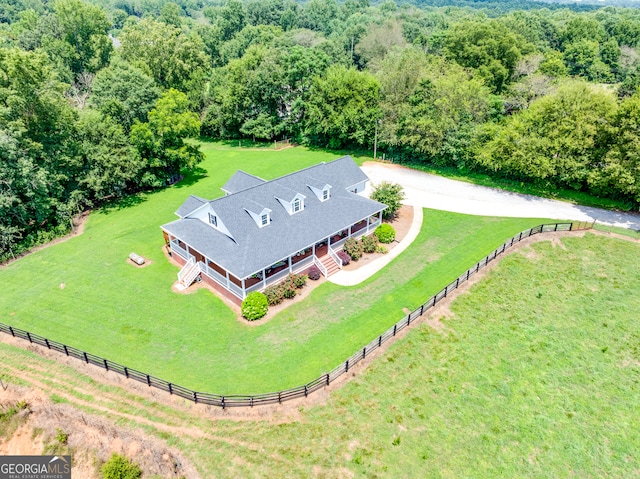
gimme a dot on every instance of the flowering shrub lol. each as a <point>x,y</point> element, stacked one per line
<point>369,244</point>
<point>346,259</point>
<point>353,248</point>
<point>274,294</point>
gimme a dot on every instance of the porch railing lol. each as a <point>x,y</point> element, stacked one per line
<point>334,256</point>
<point>320,266</point>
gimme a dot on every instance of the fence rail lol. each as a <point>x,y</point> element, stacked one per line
<point>242,400</point>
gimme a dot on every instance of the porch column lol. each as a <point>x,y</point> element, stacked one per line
<point>349,231</point>
<point>313,250</point>
<point>264,278</point>
<point>368,223</point>
<point>244,294</point>
<point>228,282</point>
<point>290,268</point>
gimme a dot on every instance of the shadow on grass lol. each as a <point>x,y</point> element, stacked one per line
<point>118,204</point>
<point>191,177</point>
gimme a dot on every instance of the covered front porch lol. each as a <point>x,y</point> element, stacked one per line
<point>296,263</point>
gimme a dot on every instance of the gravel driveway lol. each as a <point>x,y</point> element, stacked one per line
<point>432,191</point>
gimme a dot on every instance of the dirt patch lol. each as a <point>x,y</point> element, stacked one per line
<point>77,228</point>
<point>89,439</point>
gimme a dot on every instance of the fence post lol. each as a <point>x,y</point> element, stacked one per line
<point>434,300</point>
<point>170,388</point>
<point>421,309</point>
<point>520,237</point>
<point>86,359</point>
<point>29,337</point>
<point>327,381</point>
<point>380,340</point>
<point>251,401</point>
<point>46,341</point>
<point>65,349</point>
<point>222,402</point>
<point>468,272</point>
<point>106,366</point>
<point>364,352</point>
<point>195,397</point>
<point>305,391</point>
<point>346,366</point>
<point>126,372</point>
<point>395,326</point>
<point>280,393</point>
<point>556,227</point>
<point>457,282</point>
<point>12,333</point>
<point>571,226</point>
<point>148,381</point>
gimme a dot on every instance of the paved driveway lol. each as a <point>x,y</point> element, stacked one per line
<point>432,191</point>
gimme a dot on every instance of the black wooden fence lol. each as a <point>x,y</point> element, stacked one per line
<point>306,389</point>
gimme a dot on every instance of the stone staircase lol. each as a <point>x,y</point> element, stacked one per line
<point>329,263</point>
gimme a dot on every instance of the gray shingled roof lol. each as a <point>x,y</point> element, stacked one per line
<point>253,248</point>
<point>241,181</point>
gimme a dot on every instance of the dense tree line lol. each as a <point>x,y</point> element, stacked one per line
<point>97,99</point>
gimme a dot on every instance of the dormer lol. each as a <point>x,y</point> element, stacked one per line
<point>262,218</point>
<point>322,191</point>
<point>295,205</point>
<point>206,214</point>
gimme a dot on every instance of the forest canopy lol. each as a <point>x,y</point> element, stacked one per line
<point>98,98</point>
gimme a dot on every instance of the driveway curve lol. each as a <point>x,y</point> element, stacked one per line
<point>432,191</point>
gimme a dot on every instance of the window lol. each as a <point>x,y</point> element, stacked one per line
<point>265,220</point>
<point>213,220</point>
<point>297,205</point>
<point>325,195</point>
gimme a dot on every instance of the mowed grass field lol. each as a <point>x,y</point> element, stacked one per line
<point>536,374</point>
<point>83,292</point>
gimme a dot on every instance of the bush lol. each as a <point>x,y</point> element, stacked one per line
<point>390,194</point>
<point>274,294</point>
<point>119,467</point>
<point>290,291</point>
<point>314,273</point>
<point>255,306</point>
<point>353,248</point>
<point>385,233</point>
<point>299,280</point>
<point>369,244</point>
<point>381,249</point>
<point>346,259</point>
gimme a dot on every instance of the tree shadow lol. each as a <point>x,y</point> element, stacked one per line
<point>191,177</point>
<point>118,204</point>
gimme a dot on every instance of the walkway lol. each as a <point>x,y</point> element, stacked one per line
<point>351,278</point>
<point>432,191</point>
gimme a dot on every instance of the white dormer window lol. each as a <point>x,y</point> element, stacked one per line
<point>325,194</point>
<point>213,219</point>
<point>264,219</point>
<point>297,205</point>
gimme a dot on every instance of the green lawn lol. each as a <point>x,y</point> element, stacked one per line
<point>130,315</point>
<point>535,376</point>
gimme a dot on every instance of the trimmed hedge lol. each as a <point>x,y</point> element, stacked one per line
<point>385,233</point>
<point>255,306</point>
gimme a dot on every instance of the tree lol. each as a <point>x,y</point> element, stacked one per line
<point>119,467</point>
<point>561,138</point>
<point>160,141</point>
<point>390,194</point>
<point>342,108</point>
<point>231,19</point>
<point>124,92</point>
<point>110,165</point>
<point>489,47</point>
<point>171,14</point>
<point>85,28</point>
<point>174,59</point>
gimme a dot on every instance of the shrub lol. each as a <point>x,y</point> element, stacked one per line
<point>369,243</point>
<point>385,233</point>
<point>274,294</point>
<point>119,467</point>
<point>299,280</point>
<point>314,273</point>
<point>381,249</point>
<point>346,259</point>
<point>255,306</point>
<point>290,291</point>
<point>353,248</point>
<point>390,194</point>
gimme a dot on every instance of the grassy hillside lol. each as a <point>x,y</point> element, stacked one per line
<point>535,375</point>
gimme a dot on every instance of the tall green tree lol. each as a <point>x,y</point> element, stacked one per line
<point>161,141</point>
<point>124,92</point>
<point>343,108</point>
